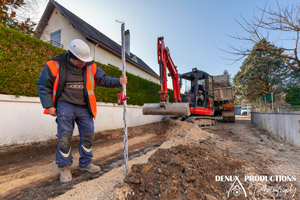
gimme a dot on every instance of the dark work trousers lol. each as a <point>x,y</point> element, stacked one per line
<point>67,115</point>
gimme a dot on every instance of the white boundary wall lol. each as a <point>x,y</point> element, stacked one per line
<point>22,119</point>
<point>284,125</point>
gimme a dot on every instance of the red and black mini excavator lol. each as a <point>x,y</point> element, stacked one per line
<point>195,104</point>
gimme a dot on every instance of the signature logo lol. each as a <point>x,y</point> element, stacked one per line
<point>237,188</point>
<point>278,191</point>
<point>260,184</point>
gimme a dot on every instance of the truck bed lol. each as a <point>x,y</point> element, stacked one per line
<point>224,94</point>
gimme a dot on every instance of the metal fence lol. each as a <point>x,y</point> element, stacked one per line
<point>57,44</point>
<point>274,103</point>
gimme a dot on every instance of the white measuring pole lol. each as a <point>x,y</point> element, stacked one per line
<point>125,101</point>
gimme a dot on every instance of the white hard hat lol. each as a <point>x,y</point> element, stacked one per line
<point>80,49</point>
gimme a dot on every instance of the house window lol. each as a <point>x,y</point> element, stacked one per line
<point>55,39</point>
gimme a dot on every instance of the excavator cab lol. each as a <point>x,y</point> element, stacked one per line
<point>197,89</point>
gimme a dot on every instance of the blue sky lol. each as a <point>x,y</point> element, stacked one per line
<point>194,30</point>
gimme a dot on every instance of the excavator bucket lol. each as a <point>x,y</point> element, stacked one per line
<point>177,109</point>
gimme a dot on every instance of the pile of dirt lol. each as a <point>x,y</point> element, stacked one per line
<point>182,172</point>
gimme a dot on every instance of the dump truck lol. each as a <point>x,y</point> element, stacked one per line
<point>224,97</point>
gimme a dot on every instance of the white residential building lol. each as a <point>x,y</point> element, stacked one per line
<point>59,26</point>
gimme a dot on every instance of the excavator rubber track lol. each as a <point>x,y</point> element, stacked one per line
<point>202,121</point>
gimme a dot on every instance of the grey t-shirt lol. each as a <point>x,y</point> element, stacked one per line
<point>73,91</point>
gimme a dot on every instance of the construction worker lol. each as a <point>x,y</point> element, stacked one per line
<point>66,90</point>
<point>200,94</point>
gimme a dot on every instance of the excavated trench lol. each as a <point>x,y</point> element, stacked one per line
<point>19,162</point>
<point>168,160</point>
<point>53,188</point>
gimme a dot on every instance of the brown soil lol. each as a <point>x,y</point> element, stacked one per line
<point>189,171</point>
<point>167,160</point>
<point>182,172</point>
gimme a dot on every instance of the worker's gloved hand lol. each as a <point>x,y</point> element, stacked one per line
<point>123,80</point>
<point>52,111</point>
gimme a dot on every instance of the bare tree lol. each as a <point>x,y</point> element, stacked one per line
<point>282,22</point>
<point>21,14</point>
<point>32,10</point>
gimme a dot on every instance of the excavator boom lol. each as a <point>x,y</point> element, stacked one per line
<point>164,107</point>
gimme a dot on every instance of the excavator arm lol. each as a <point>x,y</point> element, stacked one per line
<point>164,107</point>
<point>165,62</point>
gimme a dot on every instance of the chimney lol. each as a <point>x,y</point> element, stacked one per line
<point>127,42</point>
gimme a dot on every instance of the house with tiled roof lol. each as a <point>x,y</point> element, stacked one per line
<point>59,26</point>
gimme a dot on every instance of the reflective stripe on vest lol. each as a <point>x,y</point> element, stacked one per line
<point>54,68</point>
<point>90,85</point>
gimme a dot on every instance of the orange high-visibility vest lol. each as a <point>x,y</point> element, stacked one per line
<point>90,84</point>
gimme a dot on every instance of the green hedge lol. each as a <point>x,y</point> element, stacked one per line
<point>22,59</point>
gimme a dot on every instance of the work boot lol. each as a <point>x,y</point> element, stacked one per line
<point>90,168</point>
<point>65,174</point>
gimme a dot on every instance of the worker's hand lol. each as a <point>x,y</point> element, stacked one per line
<point>52,111</point>
<point>123,80</point>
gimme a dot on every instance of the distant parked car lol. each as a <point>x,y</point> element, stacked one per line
<point>244,111</point>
